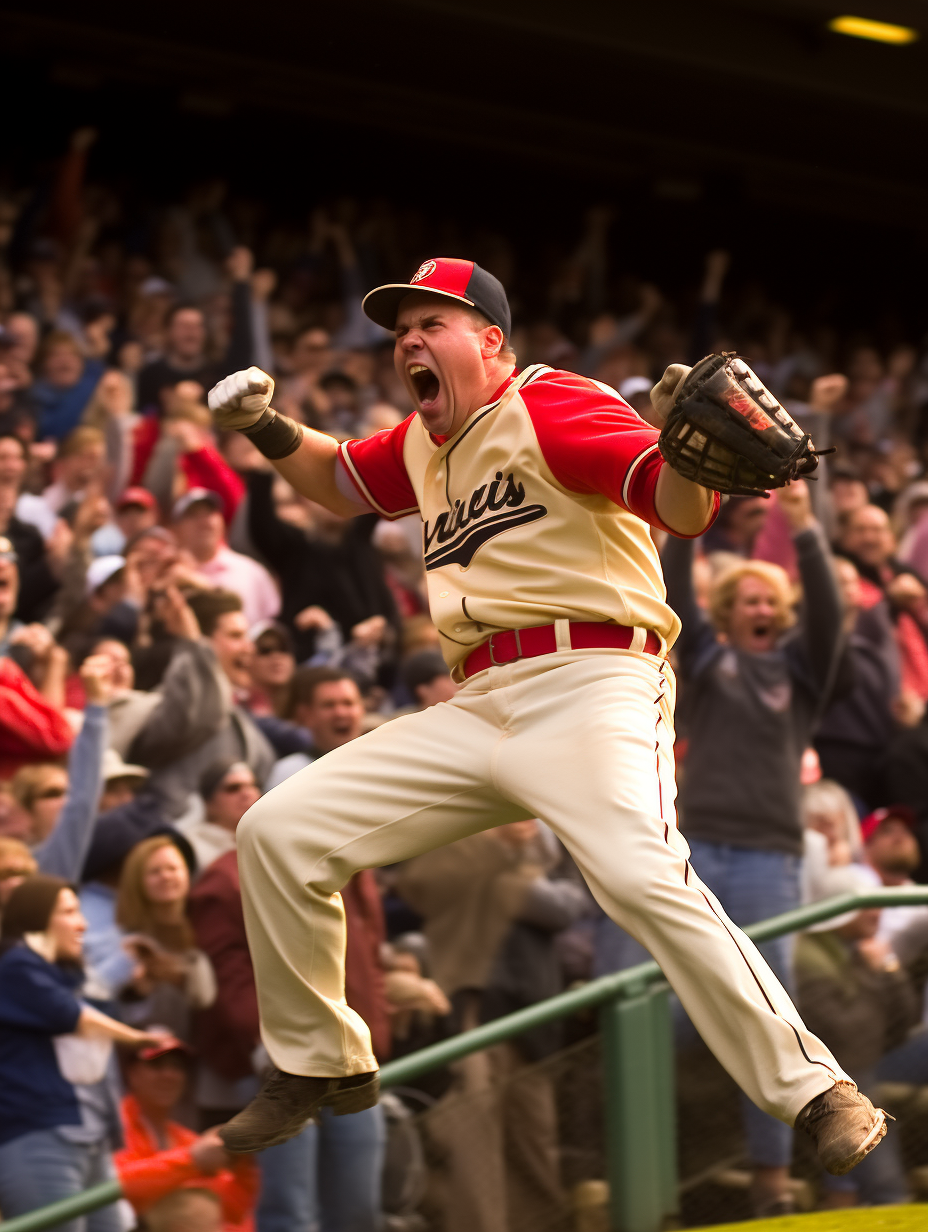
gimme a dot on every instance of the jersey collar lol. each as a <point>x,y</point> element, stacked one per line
<point>494,397</point>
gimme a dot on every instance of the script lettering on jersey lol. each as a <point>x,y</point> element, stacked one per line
<point>491,509</point>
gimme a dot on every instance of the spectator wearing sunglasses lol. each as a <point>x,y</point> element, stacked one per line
<point>61,804</point>
<point>228,790</point>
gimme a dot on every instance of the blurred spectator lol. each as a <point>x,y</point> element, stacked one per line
<point>172,978</point>
<point>129,707</point>
<point>161,1155</point>
<point>61,804</point>
<point>186,356</point>
<point>907,780</point>
<point>197,721</point>
<point>58,1116</point>
<point>228,790</point>
<point>118,830</point>
<point>751,697</point>
<point>853,994</point>
<point>37,578</point>
<point>327,703</point>
<point>136,510</point>
<point>322,561</point>
<point>200,530</point>
<point>272,670</point>
<point>16,864</point>
<point>891,856</point>
<point>832,844</point>
<point>855,730</point>
<point>427,679</point>
<point>78,466</point>
<point>869,543</point>
<point>66,385</point>
<point>109,610</point>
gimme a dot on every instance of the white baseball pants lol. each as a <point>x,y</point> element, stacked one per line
<point>581,739</point>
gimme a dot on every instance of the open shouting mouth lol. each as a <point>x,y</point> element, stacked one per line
<point>426,384</point>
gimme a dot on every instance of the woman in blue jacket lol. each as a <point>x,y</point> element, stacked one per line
<point>58,1122</point>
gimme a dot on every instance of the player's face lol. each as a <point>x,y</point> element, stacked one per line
<point>440,358</point>
<point>754,621</point>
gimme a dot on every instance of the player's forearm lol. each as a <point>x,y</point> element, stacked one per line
<point>684,506</point>
<point>311,470</point>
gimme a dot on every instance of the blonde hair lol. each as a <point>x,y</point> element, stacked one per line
<point>827,796</point>
<point>16,847</point>
<point>78,439</point>
<point>725,588</point>
<point>133,910</point>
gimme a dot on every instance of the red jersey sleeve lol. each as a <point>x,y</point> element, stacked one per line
<point>593,441</point>
<point>376,468</point>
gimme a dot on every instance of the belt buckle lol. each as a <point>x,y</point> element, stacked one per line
<point>515,658</point>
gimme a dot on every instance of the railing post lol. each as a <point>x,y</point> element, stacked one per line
<point>640,1117</point>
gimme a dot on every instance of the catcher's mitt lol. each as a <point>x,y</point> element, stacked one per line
<point>728,432</point>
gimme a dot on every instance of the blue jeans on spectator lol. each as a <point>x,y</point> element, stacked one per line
<point>326,1179</point>
<point>755,885</point>
<point>42,1167</point>
<point>908,1062</point>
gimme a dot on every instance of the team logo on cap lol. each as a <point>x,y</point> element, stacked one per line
<point>424,271</point>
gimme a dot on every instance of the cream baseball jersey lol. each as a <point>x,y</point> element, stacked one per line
<point>535,510</point>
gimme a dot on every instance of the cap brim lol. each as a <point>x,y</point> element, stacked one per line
<point>382,304</point>
<point>127,771</point>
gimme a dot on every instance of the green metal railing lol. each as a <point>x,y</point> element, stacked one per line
<point>637,1038</point>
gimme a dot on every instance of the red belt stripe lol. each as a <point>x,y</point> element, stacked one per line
<point>513,644</point>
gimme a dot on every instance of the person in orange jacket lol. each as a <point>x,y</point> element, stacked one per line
<point>161,1155</point>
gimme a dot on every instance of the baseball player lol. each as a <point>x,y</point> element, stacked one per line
<point>536,489</point>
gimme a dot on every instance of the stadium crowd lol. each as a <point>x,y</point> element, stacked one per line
<point>180,631</point>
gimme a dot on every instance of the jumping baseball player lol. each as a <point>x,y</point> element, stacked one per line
<point>536,489</point>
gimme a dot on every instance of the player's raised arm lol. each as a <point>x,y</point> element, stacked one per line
<point>305,458</point>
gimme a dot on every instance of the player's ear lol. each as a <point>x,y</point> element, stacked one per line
<point>493,339</point>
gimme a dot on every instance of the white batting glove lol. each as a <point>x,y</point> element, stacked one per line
<point>241,399</point>
<point>664,392</point>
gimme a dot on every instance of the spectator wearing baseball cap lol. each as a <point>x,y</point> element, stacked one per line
<point>892,855</point>
<point>136,510</point>
<point>160,1155</point>
<point>109,608</point>
<point>200,529</point>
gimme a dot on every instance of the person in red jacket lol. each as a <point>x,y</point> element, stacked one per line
<point>32,727</point>
<point>161,1155</point>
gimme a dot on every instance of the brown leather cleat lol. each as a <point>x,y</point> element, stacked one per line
<point>844,1126</point>
<point>287,1101</point>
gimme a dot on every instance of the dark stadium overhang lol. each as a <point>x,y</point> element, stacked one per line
<point>669,94</point>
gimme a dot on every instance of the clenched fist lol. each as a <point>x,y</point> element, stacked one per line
<point>241,399</point>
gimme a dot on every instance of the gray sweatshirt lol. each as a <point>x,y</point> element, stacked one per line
<point>748,717</point>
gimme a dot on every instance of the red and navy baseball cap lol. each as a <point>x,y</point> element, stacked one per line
<point>451,277</point>
<point>896,812</point>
